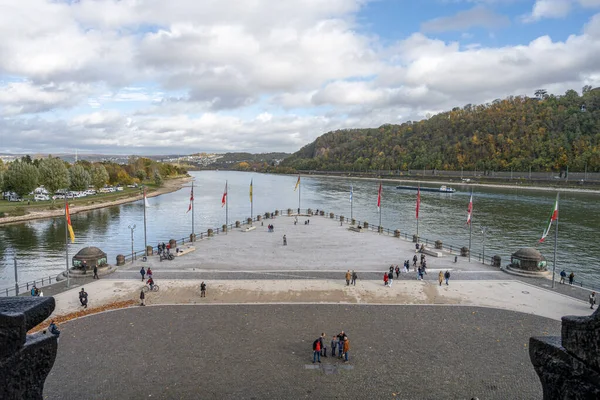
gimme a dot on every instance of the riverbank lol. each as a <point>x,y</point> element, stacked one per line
<point>451,182</point>
<point>170,185</point>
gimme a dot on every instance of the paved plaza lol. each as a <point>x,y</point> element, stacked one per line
<point>264,352</point>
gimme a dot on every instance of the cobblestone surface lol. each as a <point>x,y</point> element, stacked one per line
<point>261,352</point>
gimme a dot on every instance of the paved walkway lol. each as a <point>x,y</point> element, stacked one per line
<point>264,352</point>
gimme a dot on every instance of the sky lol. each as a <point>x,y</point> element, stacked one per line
<point>184,76</point>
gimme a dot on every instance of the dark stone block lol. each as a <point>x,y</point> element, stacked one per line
<point>581,337</point>
<point>569,368</point>
<point>25,360</point>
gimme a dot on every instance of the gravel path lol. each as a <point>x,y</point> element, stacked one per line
<point>264,352</point>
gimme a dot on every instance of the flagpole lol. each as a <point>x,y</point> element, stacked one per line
<point>67,240</point>
<point>379,228</point>
<point>555,244</point>
<point>145,237</point>
<point>470,227</point>
<point>299,191</point>
<point>226,208</point>
<point>418,205</point>
<point>251,202</point>
<point>351,202</point>
<point>193,208</point>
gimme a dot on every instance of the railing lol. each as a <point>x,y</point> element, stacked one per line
<point>450,248</point>
<point>26,287</point>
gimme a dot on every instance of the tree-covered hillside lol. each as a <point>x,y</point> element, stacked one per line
<point>545,133</point>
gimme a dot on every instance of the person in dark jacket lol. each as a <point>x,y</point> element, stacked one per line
<point>447,276</point>
<point>96,272</point>
<point>317,350</point>
<point>571,278</point>
<point>53,329</point>
<point>142,298</point>
<point>83,297</point>
<point>323,345</point>
<point>143,273</point>
<point>354,277</point>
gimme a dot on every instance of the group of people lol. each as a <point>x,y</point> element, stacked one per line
<point>84,266</point>
<point>563,275</point>
<point>339,343</point>
<point>163,248</point>
<point>351,278</point>
<point>35,292</point>
<point>271,228</point>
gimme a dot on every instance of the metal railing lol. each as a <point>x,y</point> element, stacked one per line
<point>27,286</point>
<point>448,247</point>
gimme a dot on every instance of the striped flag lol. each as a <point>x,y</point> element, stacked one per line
<point>224,198</point>
<point>69,226</point>
<point>379,197</point>
<point>191,200</point>
<point>297,183</point>
<point>351,192</point>
<point>470,210</point>
<point>553,217</point>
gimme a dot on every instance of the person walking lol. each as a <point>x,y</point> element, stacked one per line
<point>440,277</point>
<point>96,272</point>
<point>354,277</point>
<point>447,276</point>
<point>419,273</point>
<point>571,278</point>
<point>563,275</point>
<point>348,277</point>
<point>203,289</point>
<point>390,278</point>
<point>385,279</point>
<point>83,298</point>
<point>149,272</point>
<point>142,298</point>
<point>317,350</point>
<point>397,271</point>
<point>143,273</point>
<point>284,240</point>
<point>346,348</point>
<point>415,262</point>
<point>592,300</point>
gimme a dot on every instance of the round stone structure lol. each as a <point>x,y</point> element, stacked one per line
<point>528,259</point>
<point>91,255</point>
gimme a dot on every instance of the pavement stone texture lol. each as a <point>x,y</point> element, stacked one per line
<point>265,352</point>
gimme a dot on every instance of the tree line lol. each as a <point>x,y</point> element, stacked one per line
<point>541,133</point>
<point>24,175</point>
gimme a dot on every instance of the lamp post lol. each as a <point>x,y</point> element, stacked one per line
<point>483,230</point>
<point>132,228</point>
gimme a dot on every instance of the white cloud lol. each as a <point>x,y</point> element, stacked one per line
<point>556,8</point>
<point>145,76</point>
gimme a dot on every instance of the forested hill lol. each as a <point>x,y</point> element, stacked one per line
<point>545,133</point>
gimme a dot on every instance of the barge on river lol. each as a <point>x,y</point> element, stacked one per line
<point>441,189</point>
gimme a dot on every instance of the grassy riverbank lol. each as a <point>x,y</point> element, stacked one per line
<point>11,212</point>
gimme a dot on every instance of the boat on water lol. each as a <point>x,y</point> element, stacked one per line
<point>441,189</point>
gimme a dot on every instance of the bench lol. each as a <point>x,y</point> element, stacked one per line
<point>430,252</point>
<point>248,229</point>
<point>184,251</point>
<point>356,229</point>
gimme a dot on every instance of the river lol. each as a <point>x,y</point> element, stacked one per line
<point>513,217</point>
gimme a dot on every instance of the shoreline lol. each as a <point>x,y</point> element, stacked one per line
<point>441,182</point>
<point>170,185</point>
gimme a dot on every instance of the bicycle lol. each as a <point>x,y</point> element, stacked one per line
<point>146,288</point>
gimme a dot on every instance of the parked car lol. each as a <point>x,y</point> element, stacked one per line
<point>14,197</point>
<point>41,197</point>
<point>119,188</point>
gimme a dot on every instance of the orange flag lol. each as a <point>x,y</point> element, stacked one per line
<point>69,226</point>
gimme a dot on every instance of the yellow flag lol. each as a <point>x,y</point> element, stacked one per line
<point>251,191</point>
<point>297,183</point>
<point>69,226</point>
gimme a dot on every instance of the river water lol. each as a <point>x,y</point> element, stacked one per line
<point>514,218</point>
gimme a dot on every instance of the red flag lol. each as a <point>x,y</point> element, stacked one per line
<point>379,198</point>
<point>418,200</point>
<point>224,198</point>
<point>553,217</point>
<point>470,210</point>
<point>191,200</point>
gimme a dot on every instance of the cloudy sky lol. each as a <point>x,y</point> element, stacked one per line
<point>183,76</point>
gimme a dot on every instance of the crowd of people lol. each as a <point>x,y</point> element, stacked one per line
<point>339,344</point>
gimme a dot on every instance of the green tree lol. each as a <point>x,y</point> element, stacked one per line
<point>158,180</point>
<point>54,174</point>
<point>21,178</point>
<point>140,174</point>
<point>80,178</point>
<point>99,176</point>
